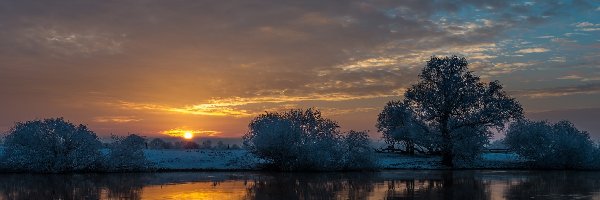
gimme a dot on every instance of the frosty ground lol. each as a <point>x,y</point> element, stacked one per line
<point>174,160</point>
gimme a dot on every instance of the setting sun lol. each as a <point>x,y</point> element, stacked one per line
<point>188,135</point>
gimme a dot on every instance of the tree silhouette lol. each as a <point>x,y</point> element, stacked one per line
<point>450,104</point>
<point>51,145</point>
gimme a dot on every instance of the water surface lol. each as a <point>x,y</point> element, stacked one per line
<point>405,184</point>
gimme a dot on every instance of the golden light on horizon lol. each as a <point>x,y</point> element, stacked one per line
<point>188,135</point>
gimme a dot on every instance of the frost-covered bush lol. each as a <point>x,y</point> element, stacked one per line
<point>190,145</point>
<point>469,144</point>
<point>299,140</point>
<point>51,145</point>
<point>398,124</point>
<point>127,154</point>
<point>556,146</point>
<point>206,144</point>
<point>359,153</point>
<point>158,143</point>
<point>221,145</point>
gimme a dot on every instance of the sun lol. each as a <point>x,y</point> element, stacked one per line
<point>188,135</point>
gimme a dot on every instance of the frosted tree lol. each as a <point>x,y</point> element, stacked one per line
<point>449,99</point>
<point>206,144</point>
<point>359,153</point>
<point>158,143</point>
<point>275,139</point>
<point>549,145</point>
<point>303,140</point>
<point>51,145</point>
<point>221,145</point>
<point>127,154</point>
<point>398,124</point>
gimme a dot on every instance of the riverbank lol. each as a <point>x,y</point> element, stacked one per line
<point>241,160</point>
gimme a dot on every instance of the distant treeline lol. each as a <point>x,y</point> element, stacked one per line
<point>158,143</point>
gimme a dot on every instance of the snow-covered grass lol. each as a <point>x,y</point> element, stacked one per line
<point>175,159</point>
<point>399,161</point>
<point>199,159</point>
<point>243,160</point>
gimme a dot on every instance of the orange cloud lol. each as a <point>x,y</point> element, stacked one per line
<point>116,119</point>
<point>240,107</point>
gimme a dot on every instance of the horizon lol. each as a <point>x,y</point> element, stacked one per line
<point>162,70</point>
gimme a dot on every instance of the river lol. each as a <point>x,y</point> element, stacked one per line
<point>402,184</point>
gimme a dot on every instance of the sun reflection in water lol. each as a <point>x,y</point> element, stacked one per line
<point>227,190</point>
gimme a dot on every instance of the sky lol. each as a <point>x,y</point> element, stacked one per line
<point>208,67</point>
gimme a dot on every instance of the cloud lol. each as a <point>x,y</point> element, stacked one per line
<point>505,68</point>
<point>545,37</point>
<point>116,119</point>
<point>587,26</point>
<point>570,77</point>
<point>62,41</point>
<point>580,78</point>
<point>559,59</point>
<point>371,63</point>
<point>560,91</point>
<point>533,50</point>
<point>244,107</point>
<point>584,24</point>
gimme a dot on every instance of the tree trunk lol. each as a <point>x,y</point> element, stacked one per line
<point>447,155</point>
<point>447,145</point>
<point>410,147</point>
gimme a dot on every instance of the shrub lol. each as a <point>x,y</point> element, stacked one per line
<point>469,144</point>
<point>190,145</point>
<point>158,143</point>
<point>127,154</point>
<point>301,140</point>
<point>51,145</point>
<point>206,144</point>
<point>359,154</point>
<point>556,146</point>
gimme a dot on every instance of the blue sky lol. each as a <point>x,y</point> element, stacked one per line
<point>165,67</point>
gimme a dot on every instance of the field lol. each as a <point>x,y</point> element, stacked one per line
<point>243,160</point>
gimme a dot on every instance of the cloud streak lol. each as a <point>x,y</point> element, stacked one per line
<point>560,91</point>
<point>533,50</point>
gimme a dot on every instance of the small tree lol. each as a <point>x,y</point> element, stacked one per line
<point>158,143</point>
<point>449,99</point>
<point>359,153</point>
<point>206,144</point>
<point>191,145</point>
<point>51,145</point>
<point>221,145</point>
<point>275,139</point>
<point>398,123</point>
<point>302,140</point>
<point>548,145</point>
<point>127,154</point>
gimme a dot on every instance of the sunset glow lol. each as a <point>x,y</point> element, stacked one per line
<point>189,133</point>
<point>122,69</point>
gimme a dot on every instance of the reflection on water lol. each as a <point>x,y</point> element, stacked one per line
<point>423,184</point>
